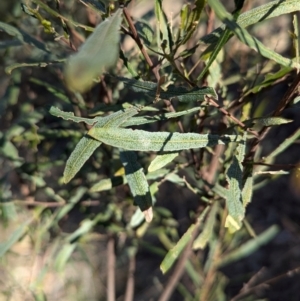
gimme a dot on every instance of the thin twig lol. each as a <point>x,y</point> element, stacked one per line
<point>111,262</point>
<point>154,69</point>
<point>140,44</point>
<point>225,112</point>
<point>129,295</point>
<point>287,98</point>
<point>210,174</point>
<point>179,269</point>
<point>266,284</point>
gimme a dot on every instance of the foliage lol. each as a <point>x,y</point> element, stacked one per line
<point>86,114</point>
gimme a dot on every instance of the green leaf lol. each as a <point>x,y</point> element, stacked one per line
<point>175,178</point>
<point>54,13</point>
<point>164,36</point>
<point>138,183</point>
<point>145,32</point>
<point>82,152</point>
<point>247,191</point>
<point>258,14</point>
<point>85,227</point>
<point>10,68</point>
<point>246,38</point>
<point>118,118</point>
<point>219,45</point>
<point>272,172</point>
<point>70,116</point>
<point>14,237</point>
<point>10,43</point>
<point>269,80</point>
<point>180,93</point>
<point>160,173</point>
<point>100,51</point>
<point>174,253</point>
<point>207,232</point>
<point>139,140</point>
<point>234,176</point>
<point>76,197</point>
<point>284,145</point>
<point>63,256</point>
<point>11,152</point>
<point>165,116</point>
<point>22,36</point>
<point>161,161</point>
<point>296,38</point>
<point>250,246</point>
<point>86,146</point>
<point>8,211</point>
<point>190,19</point>
<point>60,94</point>
<point>96,5</point>
<point>268,121</point>
<point>108,184</point>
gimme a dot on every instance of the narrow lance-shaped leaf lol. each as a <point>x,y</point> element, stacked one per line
<point>250,246</point>
<point>160,117</point>
<point>81,153</point>
<point>156,141</point>
<point>267,121</point>
<point>255,15</point>
<point>296,38</point>
<point>175,252</point>
<point>63,256</point>
<point>108,184</point>
<point>207,232</point>
<point>246,38</point>
<point>100,51</point>
<point>236,210</point>
<point>138,183</point>
<point>70,116</point>
<point>86,146</point>
<point>117,119</point>
<point>14,237</point>
<point>189,19</point>
<point>164,36</point>
<point>221,42</point>
<point>161,160</point>
<point>97,6</point>
<point>22,36</point>
<point>269,80</point>
<point>74,199</point>
<point>284,145</point>
<point>182,94</point>
<point>247,191</point>
<point>12,67</point>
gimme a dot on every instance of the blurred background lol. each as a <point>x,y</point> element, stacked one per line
<point>64,242</point>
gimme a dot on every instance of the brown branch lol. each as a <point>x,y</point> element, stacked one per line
<point>226,113</point>
<point>266,284</point>
<point>111,263</point>
<point>138,41</point>
<point>287,98</point>
<point>154,69</point>
<point>130,280</point>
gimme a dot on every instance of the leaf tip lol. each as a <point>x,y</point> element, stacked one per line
<point>66,180</point>
<point>148,214</point>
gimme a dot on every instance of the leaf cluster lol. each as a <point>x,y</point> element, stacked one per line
<point>115,121</point>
